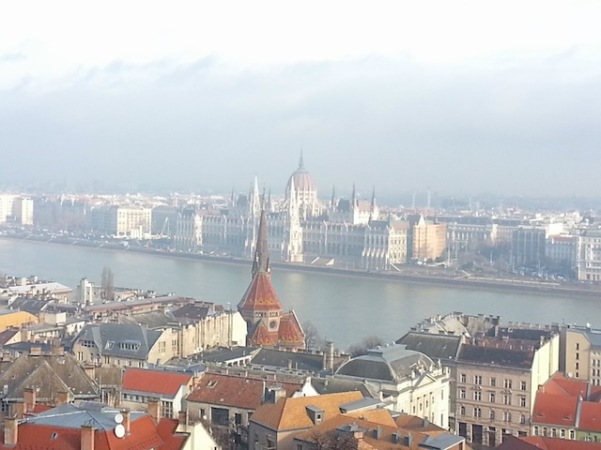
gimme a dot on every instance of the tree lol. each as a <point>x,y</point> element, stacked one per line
<point>313,340</point>
<point>107,284</point>
<point>365,344</point>
<point>333,440</point>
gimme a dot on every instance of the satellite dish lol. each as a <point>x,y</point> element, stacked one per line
<point>120,431</point>
<point>118,418</point>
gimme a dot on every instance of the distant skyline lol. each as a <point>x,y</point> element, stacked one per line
<point>464,97</point>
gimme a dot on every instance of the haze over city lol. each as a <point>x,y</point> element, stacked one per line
<point>462,97</point>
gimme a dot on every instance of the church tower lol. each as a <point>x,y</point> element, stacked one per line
<point>268,325</point>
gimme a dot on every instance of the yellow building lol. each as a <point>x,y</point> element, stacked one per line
<point>426,240</point>
<point>15,319</point>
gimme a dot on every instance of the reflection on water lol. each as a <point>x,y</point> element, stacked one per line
<point>344,309</point>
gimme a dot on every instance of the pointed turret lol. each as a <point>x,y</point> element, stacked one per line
<point>261,259</point>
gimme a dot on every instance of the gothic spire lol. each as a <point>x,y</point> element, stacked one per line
<point>261,259</point>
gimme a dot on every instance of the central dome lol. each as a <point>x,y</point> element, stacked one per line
<point>303,182</point>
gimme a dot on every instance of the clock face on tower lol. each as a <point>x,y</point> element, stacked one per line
<point>273,324</point>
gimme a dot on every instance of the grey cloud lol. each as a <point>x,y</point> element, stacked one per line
<point>502,127</point>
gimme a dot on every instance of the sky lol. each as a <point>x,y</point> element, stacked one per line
<point>461,97</point>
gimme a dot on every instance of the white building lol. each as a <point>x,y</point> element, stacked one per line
<point>405,380</point>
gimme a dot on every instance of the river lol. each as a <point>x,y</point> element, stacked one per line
<point>344,309</point>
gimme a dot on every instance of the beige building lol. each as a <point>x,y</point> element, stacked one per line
<point>496,383</point>
<point>589,256</point>
<point>581,353</point>
<point>128,222</point>
<point>16,209</point>
<point>426,240</point>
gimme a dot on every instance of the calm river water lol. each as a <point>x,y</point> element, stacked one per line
<point>345,309</point>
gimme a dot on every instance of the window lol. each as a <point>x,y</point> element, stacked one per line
<point>507,399</point>
<point>461,393</point>
<point>477,379</point>
<point>477,396</point>
<point>562,433</point>
<point>491,397</point>
<point>522,419</point>
<point>536,431</point>
<point>572,434</point>
<point>577,346</point>
<point>167,409</point>
<point>491,414</point>
<point>523,385</point>
<point>477,412</point>
<point>507,416</point>
<point>463,378</point>
<point>493,382</point>
<point>523,402</point>
<point>462,410</point>
<point>577,356</point>
<point>507,383</point>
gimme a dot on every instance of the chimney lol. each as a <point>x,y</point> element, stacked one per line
<point>61,398</point>
<point>328,356</point>
<point>28,399</point>
<point>18,409</point>
<point>182,417</point>
<point>11,431</point>
<point>274,394</point>
<point>87,437</point>
<point>126,420</point>
<point>154,409</point>
<point>58,350</point>
<point>35,351</point>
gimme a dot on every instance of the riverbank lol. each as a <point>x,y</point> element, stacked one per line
<point>422,275</point>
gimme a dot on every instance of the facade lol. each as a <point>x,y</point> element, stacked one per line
<point>497,379</point>
<point>16,209</point>
<point>581,353</point>
<point>589,256</point>
<point>426,240</point>
<point>561,253</point>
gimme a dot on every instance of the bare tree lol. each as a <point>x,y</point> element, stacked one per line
<point>333,440</point>
<point>313,340</point>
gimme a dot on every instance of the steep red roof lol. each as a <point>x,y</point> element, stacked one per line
<point>260,295</point>
<point>229,390</point>
<point>154,381</point>
<point>290,332</point>
<point>262,337</point>
<point>555,409</point>
<point>558,384</point>
<point>590,417</point>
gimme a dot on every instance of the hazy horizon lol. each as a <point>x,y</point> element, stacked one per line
<point>502,99</point>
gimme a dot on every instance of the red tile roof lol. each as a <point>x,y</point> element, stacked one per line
<point>154,381</point>
<point>545,443</point>
<point>590,417</point>
<point>32,436</point>
<point>555,409</point>
<point>262,337</point>
<point>260,295</point>
<point>290,331</point>
<point>229,390</point>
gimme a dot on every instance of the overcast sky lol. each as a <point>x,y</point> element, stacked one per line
<point>464,96</point>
